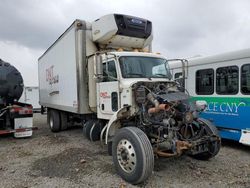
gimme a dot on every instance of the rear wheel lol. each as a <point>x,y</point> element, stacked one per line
<point>92,130</point>
<point>63,120</point>
<point>53,120</point>
<point>110,148</point>
<point>133,155</point>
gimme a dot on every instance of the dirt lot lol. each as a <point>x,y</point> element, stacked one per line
<point>67,159</point>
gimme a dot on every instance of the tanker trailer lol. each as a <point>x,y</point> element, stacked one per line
<point>15,117</point>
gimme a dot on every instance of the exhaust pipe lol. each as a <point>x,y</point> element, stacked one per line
<point>158,107</point>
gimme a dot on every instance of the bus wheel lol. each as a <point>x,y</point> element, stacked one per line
<point>92,130</point>
<point>53,120</point>
<point>133,155</point>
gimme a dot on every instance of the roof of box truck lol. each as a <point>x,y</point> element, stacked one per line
<point>73,25</point>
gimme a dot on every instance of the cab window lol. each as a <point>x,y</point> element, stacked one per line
<point>109,71</point>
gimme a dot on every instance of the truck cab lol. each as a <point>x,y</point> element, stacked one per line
<point>120,70</point>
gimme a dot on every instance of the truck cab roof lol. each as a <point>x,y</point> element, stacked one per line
<point>143,54</point>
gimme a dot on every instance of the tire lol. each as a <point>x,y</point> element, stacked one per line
<point>92,130</point>
<point>214,147</point>
<point>53,120</point>
<point>213,151</point>
<point>63,120</point>
<point>110,148</point>
<point>132,146</point>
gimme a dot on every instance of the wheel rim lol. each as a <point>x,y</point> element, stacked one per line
<point>126,155</point>
<point>51,123</point>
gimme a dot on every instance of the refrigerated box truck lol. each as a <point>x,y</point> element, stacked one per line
<point>103,74</point>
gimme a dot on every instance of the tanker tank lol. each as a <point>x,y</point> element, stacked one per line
<point>11,84</point>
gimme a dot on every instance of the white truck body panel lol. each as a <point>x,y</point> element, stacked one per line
<point>105,91</point>
<point>62,78</point>
<point>31,96</point>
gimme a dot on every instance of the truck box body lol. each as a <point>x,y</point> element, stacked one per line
<point>62,72</point>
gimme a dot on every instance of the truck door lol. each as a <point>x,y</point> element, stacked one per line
<point>108,91</point>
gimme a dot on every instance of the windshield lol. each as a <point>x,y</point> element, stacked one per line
<point>144,67</point>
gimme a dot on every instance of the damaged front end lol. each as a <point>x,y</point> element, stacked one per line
<point>171,121</point>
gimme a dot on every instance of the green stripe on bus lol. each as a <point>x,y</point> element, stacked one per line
<point>246,100</point>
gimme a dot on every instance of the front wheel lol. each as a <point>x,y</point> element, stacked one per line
<point>213,149</point>
<point>213,146</point>
<point>133,155</point>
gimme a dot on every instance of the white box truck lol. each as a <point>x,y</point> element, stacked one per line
<point>31,95</point>
<point>104,75</point>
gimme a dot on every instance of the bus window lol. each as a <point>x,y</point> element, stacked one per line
<point>227,80</point>
<point>205,82</point>
<point>245,79</point>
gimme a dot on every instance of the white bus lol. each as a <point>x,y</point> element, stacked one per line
<point>223,81</point>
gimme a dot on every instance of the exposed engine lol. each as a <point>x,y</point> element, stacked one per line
<point>171,121</point>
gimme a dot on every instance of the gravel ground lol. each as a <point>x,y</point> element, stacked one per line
<point>67,159</point>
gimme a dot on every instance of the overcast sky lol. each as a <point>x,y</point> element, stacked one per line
<point>182,28</point>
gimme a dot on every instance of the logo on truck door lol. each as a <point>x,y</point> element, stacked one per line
<point>105,95</point>
<point>50,76</point>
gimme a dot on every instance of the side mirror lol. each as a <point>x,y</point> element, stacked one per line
<point>98,67</point>
<point>201,105</point>
<point>167,67</point>
<point>170,76</point>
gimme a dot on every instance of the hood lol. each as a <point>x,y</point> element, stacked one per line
<point>126,83</point>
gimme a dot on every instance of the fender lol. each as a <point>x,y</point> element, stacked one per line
<point>114,124</point>
<point>212,129</point>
